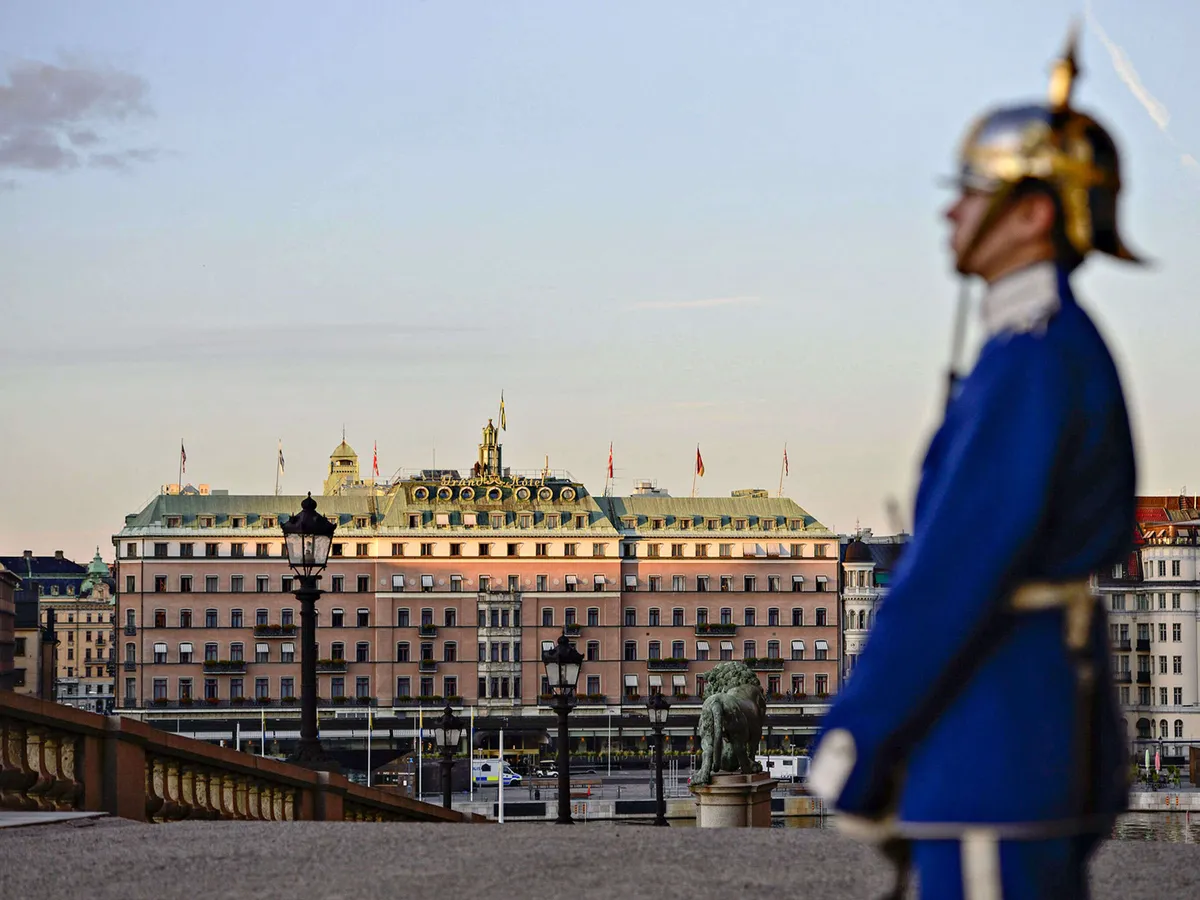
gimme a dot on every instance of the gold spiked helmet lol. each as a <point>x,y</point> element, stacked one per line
<point>1055,144</point>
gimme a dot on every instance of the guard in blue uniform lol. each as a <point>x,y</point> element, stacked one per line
<point>978,739</point>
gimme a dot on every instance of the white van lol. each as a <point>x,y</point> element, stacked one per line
<point>785,768</point>
<point>487,771</point>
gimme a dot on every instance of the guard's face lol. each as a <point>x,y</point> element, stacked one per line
<point>966,214</point>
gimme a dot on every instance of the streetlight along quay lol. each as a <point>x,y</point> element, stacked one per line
<point>562,663</point>
<point>659,709</point>
<point>307,537</point>
<point>447,732</point>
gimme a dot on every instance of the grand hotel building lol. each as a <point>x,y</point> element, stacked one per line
<point>449,584</point>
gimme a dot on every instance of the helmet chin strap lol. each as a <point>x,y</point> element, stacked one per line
<point>996,208</point>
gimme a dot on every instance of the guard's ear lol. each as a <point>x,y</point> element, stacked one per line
<point>1034,214</point>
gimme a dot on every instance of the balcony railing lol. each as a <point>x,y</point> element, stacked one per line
<point>427,630</point>
<point>58,758</point>
<point>275,631</point>
<point>669,664</point>
<point>1143,678</point>
<point>225,666</point>
<point>574,629</point>
<point>427,665</point>
<point>765,663</point>
<point>130,665</point>
<point>1143,645</point>
<point>326,666</point>
<point>1122,645</point>
<point>131,630</point>
<point>1123,677</point>
<point>717,629</point>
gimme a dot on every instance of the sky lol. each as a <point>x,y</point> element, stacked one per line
<point>657,225</point>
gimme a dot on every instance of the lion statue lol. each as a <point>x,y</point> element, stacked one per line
<point>731,722</point>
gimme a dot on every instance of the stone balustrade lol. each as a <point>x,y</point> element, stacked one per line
<point>54,757</point>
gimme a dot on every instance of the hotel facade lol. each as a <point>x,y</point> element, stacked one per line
<point>445,584</point>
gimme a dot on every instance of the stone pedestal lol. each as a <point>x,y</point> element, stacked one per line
<point>735,801</point>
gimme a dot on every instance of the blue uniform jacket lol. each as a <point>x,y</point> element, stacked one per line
<point>1029,478</point>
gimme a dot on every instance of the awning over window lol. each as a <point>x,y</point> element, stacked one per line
<point>630,581</point>
<point>547,645</point>
<point>702,645</point>
<point>426,581</point>
<point>571,579</point>
<point>821,579</point>
<point>821,645</point>
<point>443,518</point>
<point>185,647</point>
<point>631,681</point>
<point>679,680</point>
<point>798,645</point>
<point>656,681</point>
<point>598,579</point>
<point>468,518</point>
<point>262,648</point>
<point>288,648</point>
<point>726,645</point>
<point>160,648</point>
<point>797,579</point>
<point>397,582</point>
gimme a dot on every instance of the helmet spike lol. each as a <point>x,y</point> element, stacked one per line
<point>1064,72</point>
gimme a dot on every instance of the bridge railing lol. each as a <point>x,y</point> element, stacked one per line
<point>54,757</point>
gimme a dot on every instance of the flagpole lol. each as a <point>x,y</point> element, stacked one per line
<point>278,453</point>
<point>782,465</point>
<point>180,485</point>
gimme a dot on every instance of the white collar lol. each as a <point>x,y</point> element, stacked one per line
<point>1021,302</point>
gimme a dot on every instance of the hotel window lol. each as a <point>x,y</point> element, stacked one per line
<point>363,618</point>
<point>749,582</point>
<point>740,524</point>
<point>796,550</point>
<point>654,650</point>
<point>797,583</point>
<point>160,689</point>
<point>570,549</point>
<point>402,619</point>
<point>797,649</point>
<point>572,582</point>
<point>593,653</point>
<point>702,584</point>
<point>339,584</point>
<point>652,618</point>
<point>426,617</point>
<point>402,652</point>
<point>547,617</point>
<point>1176,632</point>
<point>822,685</point>
<point>599,549</point>
<point>360,548</point>
<point>185,652</point>
<point>262,550</point>
<point>160,585</point>
<point>1162,631</point>
<point>1162,665</point>
<point>426,651</point>
<point>449,617</point>
<point>237,550</point>
<point>822,649</point>
<point>427,583</point>
<point>677,583</point>
<point>1174,568</point>
<point>262,583</point>
<point>160,551</point>
<point>726,583</point>
<point>726,651</point>
<point>212,550</point>
<point>235,688</point>
<point>551,520</point>
<point>541,549</point>
<point>514,583</point>
<point>185,620</point>
<point>185,584</point>
<point>337,618</point>
<point>235,618</point>
<point>414,520</point>
<point>628,551</point>
<point>513,549</point>
<point>701,550</point>
<point>485,549</point>
<point>569,616</point>
<point>236,584</point>
<point>749,650</point>
<point>397,582</point>
<point>654,582</point>
<point>726,616</point>
<point>677,617</point>
<point>678,651</point>
<point>450,651</point>
<point>631,651</point>
<point>598,582</point>
<point>362,652</point>
<point>456,549</point>
<point>285,584</point>
<point>525,520</point>
<point>363,583</point>
<point>337,651</point>
<point>773,650</point>
<point>1178,696</point>
<point>130,584</point>
<point>701,651</point>
<point>772,617</point>
<point>362,686</point>
<point>1175,601</point>
<point>676,551</point>
<point>631,582</point>
<point>652,550</point>
<point>581,520</point>
<point>160,653</point>
<point>160,618</point>
<point>593,617</point>
<point>1118,602</point>
<point>821,617</point>
<point>262,653</point>
<point>397,548</point>
<point>427,549</point>
<point>819,550</point>
<point>630,618</point>
<point>1177,665</point>
<point>287,652</point>
<point>1162,697</point>
<point>773,583</point>
<point>541,582</point>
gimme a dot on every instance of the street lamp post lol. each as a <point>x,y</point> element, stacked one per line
<point>447,732</point>
<point>658,708</point>
<point>307,538</point>
<point>562,663</point>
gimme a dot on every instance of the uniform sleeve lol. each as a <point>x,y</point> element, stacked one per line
<point>982,505</point>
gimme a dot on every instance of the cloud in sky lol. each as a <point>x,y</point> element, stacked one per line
<point>697,304</point>
<point>53,118</point>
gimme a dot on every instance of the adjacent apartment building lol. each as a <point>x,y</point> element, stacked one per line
<point>448,584</point>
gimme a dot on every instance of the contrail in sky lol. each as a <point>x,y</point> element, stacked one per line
<point>1156,109</point>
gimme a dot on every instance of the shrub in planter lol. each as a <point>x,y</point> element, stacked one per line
<point>364,701</point>
<point>262,700</point>
<point>212,701</point>
<point>160,701</point>
<point>237,701</point>
<point>288,699</point>
<point>403,698</point>
<point>340,700</point>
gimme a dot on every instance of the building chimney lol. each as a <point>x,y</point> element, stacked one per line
<point>58,554</point>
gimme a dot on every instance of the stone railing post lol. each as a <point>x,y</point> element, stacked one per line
<point>330,797</point>
<point>124,772</point>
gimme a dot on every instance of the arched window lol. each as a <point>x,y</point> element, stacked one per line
<point>130,652</point>
<point>1179,728</point>
<point>1162,729</point>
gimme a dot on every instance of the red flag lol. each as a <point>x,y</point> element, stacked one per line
<point>785,463</point>
<point>699,462</point>
<point>610,469</point>
<point>375,460</point>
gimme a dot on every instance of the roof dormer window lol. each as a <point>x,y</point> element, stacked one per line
<point>767,524</point>
<point>629,521</point>
<point>268,522</point>
<point>237,522</point>
<point>712,524</point>
<point>739,524</point>
<point>658,523</point>
<point>360,521</point>
<point>174,521</point>
<point>206,521</point>
<point>551,520</point>
<point>581,520</point>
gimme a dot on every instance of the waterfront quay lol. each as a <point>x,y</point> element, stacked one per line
<point>121,860</point>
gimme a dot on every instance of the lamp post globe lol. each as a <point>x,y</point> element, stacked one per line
<point>658,708</point>
<point>307,537</point>
<point>447,732</point>
<point>562,663</point>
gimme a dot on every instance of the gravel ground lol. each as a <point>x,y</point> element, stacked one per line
<point>121,860</point>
